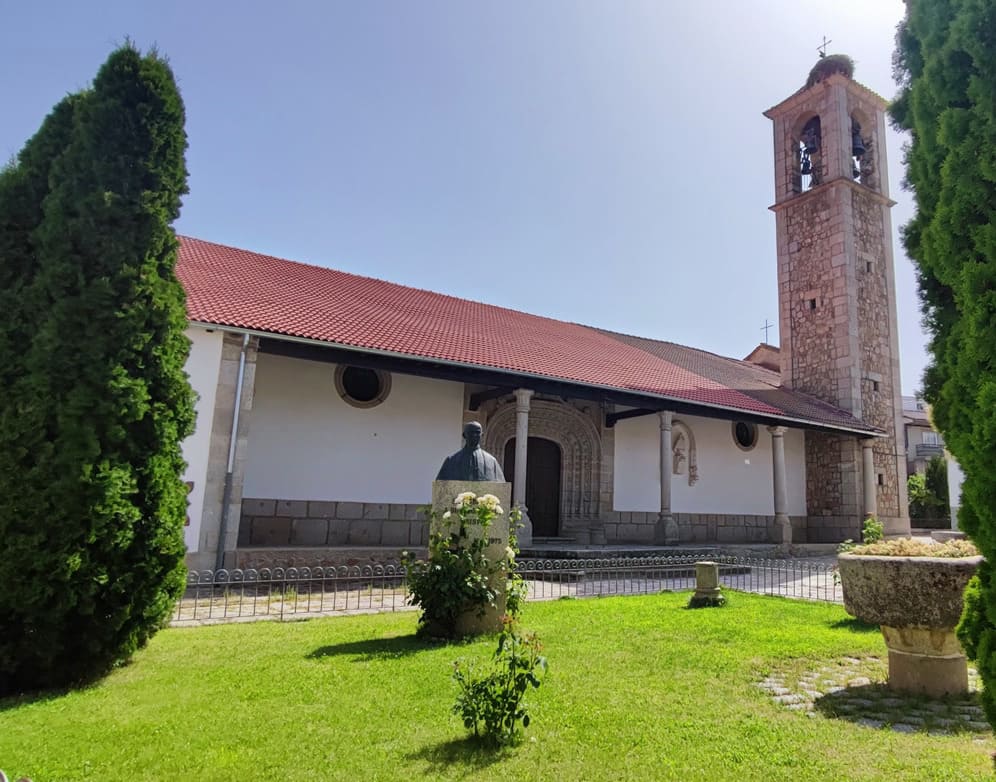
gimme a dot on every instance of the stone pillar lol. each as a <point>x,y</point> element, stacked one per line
<point>870,478</point>
<point>226,445</point>
<point>783,524</point>
<point>666,531</point>
<point>522,396</point>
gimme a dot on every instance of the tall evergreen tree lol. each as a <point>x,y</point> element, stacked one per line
<point>91,543</point>
<point>946,68</point>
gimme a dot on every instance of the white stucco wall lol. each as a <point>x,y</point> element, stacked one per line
<point>202,367</point>
<point>730,480</point>
<point>955,479</point>
<point>306,443</point>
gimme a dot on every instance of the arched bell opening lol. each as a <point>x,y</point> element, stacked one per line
<point>807,143</point>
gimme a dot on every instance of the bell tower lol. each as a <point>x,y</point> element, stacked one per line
<point>837,294</point>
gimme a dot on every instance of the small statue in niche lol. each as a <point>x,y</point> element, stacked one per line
<point>678,458</point>
<point>683,454</point>
<point>471,463</point>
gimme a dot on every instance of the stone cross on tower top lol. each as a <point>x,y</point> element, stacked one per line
<point>822,48</point>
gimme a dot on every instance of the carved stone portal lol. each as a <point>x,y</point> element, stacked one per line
<point>581,453</point>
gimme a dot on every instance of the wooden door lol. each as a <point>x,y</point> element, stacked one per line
<point>542,483</point>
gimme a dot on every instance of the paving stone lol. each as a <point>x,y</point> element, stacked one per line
<point>797,706</point>
<point>790,698</point>
<point>890,702</point>
<point>937,708</point>
<point>781,691</point>
<point>814,694</point>
<point>859,681</point>
<point>867,723</point>
<point>863,702</point>
<point>914,719</point>
<point>973,725</point>
<point>903,727</point>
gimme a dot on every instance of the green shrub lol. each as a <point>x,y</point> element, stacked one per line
<point>97,403</point>
<point>490,701</point>
<point>974,622</point>
<point>458,576</point>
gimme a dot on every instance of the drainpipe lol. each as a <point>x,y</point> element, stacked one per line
<point>226,497</point>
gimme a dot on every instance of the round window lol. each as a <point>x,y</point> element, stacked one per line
<point>362,387</point>
<point>744,435</point>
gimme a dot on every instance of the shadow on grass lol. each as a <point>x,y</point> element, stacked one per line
<point>376,648</point>
<point>877,705</point>
<point>469,753</point>
<point>854,625</point>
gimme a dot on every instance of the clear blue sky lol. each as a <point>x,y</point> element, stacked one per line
<point>598,161</point>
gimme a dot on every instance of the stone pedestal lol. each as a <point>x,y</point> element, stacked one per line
<point>925,661</point>
<point>473,622</point>
<point>707,589</point>
<point>917,601</point>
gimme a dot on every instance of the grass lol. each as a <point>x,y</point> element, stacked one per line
<point>638,688</point>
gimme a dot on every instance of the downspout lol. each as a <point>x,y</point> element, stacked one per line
<point>226,497</point>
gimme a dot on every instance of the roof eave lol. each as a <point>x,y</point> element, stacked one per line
<point>734,412</point>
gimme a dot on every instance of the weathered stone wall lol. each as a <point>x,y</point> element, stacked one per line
<point>638,527</point>
<point>280,523</point>
<point>810,293</point>
<point>875,330</point>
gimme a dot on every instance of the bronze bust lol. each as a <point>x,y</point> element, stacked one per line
<point>471,463</point>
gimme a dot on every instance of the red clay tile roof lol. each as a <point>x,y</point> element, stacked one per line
<point>237,288</point>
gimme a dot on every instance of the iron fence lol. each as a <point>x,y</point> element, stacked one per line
<point>287,593</point>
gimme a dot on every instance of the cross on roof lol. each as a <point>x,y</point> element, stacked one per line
<point>822,48</point>
<point>765,328</point>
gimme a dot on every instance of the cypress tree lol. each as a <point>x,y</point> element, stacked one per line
<point>93,526</point>
<point>946,69</point>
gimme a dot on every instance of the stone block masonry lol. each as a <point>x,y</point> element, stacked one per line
<point>281,523</point>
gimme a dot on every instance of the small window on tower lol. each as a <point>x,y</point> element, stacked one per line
<point>874,385</point>
<point>881,479</point>
<point>812,304</point>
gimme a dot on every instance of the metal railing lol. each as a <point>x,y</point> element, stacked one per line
<point>289,593</point>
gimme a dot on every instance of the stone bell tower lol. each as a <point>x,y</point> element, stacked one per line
<point>837,295</point>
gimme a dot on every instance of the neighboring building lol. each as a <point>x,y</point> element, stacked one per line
<point>345,393</point>
<point>922,442</point>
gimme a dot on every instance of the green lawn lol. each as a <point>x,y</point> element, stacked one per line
<point>638,688</point>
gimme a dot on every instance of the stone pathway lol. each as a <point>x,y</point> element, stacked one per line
<point>854,689</point>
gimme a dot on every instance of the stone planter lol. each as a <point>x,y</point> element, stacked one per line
<point>918,602</point>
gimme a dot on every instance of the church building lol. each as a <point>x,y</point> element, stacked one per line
<point>327,401</point>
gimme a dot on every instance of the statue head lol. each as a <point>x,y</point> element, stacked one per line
<point>472,434</point>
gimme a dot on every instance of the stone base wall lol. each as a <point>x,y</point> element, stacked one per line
<point>348,556</point>
<point>638,527</point>
<point>277,523</point>
<point>832,529</point>
<point>269,524</point>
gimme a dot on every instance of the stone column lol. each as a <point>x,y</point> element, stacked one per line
<point>522,396</point>
<point>870,479</point>
<point>223,491</point>
<point>783,524</point>
<point>666,531</point>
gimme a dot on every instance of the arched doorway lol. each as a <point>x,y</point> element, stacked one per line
<point>542,483</point>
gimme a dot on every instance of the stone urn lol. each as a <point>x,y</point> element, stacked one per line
<point>918,602</point>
